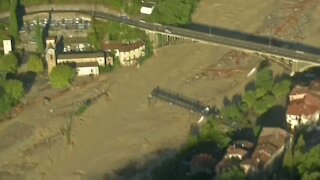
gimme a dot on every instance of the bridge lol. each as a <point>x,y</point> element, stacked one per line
<point>297,60</point>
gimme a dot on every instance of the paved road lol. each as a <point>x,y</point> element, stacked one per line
<point>203,37</point>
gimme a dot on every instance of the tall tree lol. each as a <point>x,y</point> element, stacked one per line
<point>250,98</point>
<point>14,29</point>
<point>235,174</point>
<point>62,76</point>
<point>5,104</point>
<point>264,80</point>
<point>282,88</point>
<point>39,38</point>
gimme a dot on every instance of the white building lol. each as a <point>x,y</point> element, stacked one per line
<point>82,57</point>
<point>147,8</point>
<point>127,53</point>
<point>7,46</point>
<point>304,107</point>
<point>89,68</point>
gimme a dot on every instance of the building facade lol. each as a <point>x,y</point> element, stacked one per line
<point>82,57</point>
<point>87,69</point>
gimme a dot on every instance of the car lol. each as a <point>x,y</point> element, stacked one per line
<point>167,30</point>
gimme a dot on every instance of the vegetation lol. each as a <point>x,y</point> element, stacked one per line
<point>39,38</point>
<point>14,29</point>
<point>258,101</point>
<point>8,64</point>
<point>15,90</point>
<point>114,32</point>
<point>35,64</point>
<point>174,12</point>
<point>62,76</point>
<point>300,163</point>
<point>236,174</point>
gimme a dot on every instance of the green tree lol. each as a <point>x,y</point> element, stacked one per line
<point>282,88</point>
<point>5,103</point>
<point>8,64</point>
<point>235,174</point>
<point>35,64</point>
<point>232,113</point>
<point>14,29</point>
<point>211,133</point>
<point>264,80</point>
<point>288,159</point>
<point>311,162</point>
<point>15,90</point>
<point>39,38</point>
<point>250,98</point>
<point>62,76</point>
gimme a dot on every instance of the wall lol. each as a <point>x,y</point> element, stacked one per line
<point>85,71</point>
<point>100,60</point>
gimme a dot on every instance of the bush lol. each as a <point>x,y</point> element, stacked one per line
<point>62,76</point>
<point>35,64</point>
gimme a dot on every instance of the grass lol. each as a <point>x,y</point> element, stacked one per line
<point>83,108</point>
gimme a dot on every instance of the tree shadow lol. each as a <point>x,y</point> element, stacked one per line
<point>45,31</point>
<point>244,134</point>
<point>274,117</point>
<point>281,77</point>
<point>226,101</point>
<point>263,64</point>
<point>28,79</point>
<point>236,99</point>
<point>166,164</point>
<point>20,11</point>
<point>60,44</point>
<point>250,86</point>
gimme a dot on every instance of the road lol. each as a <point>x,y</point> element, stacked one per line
<point>280,52</point>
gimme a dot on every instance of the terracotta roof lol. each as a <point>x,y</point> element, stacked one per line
<point>232,150</point>
<point>269,142</point>
<point>204,161</point>
<point>122,47</point>
<point>309,105</point>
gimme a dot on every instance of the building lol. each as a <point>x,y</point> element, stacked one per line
<point>236,152</point>
<point>127,53</point>
<point>87,68</point>
<point>304,106</point>
<point>147,8</point>
<point>202,163</point>
<point>82,57</point>
<point>7,46</point>
<point>50,54</point>
<point>270,146</point>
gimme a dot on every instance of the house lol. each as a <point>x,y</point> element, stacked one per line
<point>304,106</point>
<point>127,53</point>
<point>271,144</point>
<point>236,152</point>
<point>82,57</point>
<point>202,163</point>
<point>87,68</point>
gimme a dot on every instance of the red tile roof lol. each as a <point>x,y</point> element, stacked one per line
<point>309,105</point>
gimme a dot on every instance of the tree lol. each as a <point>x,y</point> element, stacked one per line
<point>39,38</point>
<point>35,64</point>
<point>5,104</point>
<point>210,132</point>
<point>62,76</point>
<point>288,159</point>
<point>14,29</point>
<point>235,174</point>
<point>15,90</point>
<point>250,98</point>
<point>311,162</point>
<point>282,88</point>
<point>264,80</point>
<point>233,113</point>
<point>8,64</point>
